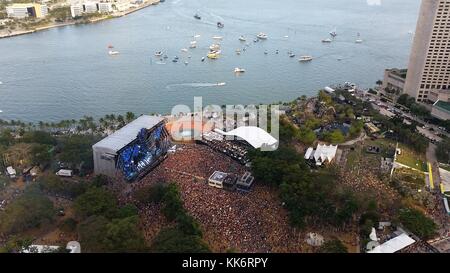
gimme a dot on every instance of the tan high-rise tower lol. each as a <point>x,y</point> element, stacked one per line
<point>428,77</point>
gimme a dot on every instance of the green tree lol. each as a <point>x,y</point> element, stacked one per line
<point>41,154</point>
<point>333,246</point>
<point>28,211</point>
<point>96,201</point>
<point>173,240</point>
<point>334,137</point>
<point>307,136</point>
<point>416,222</point>
<point>39,137</point>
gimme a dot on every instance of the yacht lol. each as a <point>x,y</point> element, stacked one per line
<point>220,25</point>
<point>262,36</point>
<point>196,16</point>
<point>113,52</point>
<point>214,47</point>
<point>358,40</point>
<point>333,33</point>
<point>239,70</point>
<point>242,38</point>
<point>327,40</point>
<point>305,58</point>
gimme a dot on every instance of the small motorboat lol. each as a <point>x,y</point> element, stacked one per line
<point>196,16</point>
<point>262,36</point>
<point>196,36</point>
<point>113,52</point>
<point>327,40</point>
<point>333,33</point>
<point>110,46</point>
<point>175,60</point>
<point>305,58</point>
<point>184,50</point>
<point>220,25</point>
<point>158,53</point>
<point>238,51</point>
<point>214,47</point>
<point>286,36</point>
<point>276,52</point>
<point>193,44</point>
<point>358,39</point>
<point>221,83</point>
<point>265,52</point>
<point>242,38</point>
<point>255,40</point>
<point>239,70</point>
<point>217,37</point>
<point>186,63</point>
<point>203,59</point>
<point>291,55</point>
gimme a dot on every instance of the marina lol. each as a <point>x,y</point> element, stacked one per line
<point>64,84</point>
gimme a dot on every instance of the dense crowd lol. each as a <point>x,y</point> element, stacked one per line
<point>253,222</point>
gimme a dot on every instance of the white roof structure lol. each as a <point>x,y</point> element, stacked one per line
<point>128,133</point>
<point>11,170</point>
<point>309,153</point>
<point>255,136</point>
<point>394,244</point>
<point>324,153</point>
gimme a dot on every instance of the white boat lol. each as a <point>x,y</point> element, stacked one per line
<point>1,83</point>
<point>217,37</point>
<point>196,36</point>
<point>305,58</point>
<point>113,52</point>
<point>359,40</point>
<point>327,40</point>
<point>214,47</point>
<point>242,38</point>
<point>221,83</point>
<point>238,51</point>
<point>193,44</point>
<point>239,70</point>
<point>184,50</point>
<point>262,36</point>
<point>333,33</point>
<point>286,36</point>
<point>1,111</point>
<point>158,53</point>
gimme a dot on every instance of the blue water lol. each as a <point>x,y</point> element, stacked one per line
<point>66,73</point>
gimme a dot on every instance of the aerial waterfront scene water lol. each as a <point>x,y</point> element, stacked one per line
<point>66,72</point>
<point>225,126</point>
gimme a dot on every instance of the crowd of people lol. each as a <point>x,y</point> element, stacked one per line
<point>252,222</point>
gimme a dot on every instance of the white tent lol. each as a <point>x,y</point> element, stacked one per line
<point>324,153</point>
<point>255,136</point>
<point>394,245</point>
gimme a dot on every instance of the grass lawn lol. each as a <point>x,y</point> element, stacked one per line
<point>412,159</point>
<point>387,146</point>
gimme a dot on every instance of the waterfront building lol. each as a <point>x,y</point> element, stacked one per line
<point>394,80</point>
<point>90,7</point>
<point>122,5</point>
<point>428,77</point>
<point>76,10</point>
<point>105,7</point>
<point>24,10</point>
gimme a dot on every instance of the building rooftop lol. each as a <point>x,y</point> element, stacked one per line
<point>445,106</point>
<point>399,72</point>
<point>127,134</point>
<point>255,136</point>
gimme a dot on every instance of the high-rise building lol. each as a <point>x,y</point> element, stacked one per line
<point>428,76</point>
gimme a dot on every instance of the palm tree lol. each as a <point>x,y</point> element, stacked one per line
<point>130,116</point>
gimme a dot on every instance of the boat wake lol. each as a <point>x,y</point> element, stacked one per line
<point>194,84</point>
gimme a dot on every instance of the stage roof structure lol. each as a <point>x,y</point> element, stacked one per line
<point>253,135</point>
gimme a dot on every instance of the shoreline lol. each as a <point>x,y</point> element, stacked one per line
<point>95,20</point>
